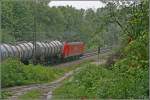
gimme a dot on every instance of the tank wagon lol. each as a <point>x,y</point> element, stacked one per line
<point>46,52</point>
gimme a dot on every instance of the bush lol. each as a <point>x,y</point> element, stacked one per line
<point>97,82</point>
<point>15,73</point>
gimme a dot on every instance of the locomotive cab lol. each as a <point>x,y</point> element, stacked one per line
<point>72,50</point>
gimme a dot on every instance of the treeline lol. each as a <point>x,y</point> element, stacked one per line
<point>20,19</point>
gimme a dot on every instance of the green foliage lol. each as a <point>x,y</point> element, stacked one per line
<point>16,73</point>
<point>127,79</point>
<point>97,82</point>
<point>137,51</point>
<point>5,94</point>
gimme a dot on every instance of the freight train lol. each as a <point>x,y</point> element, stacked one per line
<point>43,52</point>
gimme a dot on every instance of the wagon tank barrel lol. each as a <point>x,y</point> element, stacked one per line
<point>24,50</point>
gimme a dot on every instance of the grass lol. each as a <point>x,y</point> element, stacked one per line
<point>14,73</point>
<point>96,82</point>
<point>31,95</point>
<point>5,94</point>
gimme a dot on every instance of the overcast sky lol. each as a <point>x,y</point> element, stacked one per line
<point>78,4</point>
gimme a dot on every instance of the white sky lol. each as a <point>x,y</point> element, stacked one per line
<point>78,4</point>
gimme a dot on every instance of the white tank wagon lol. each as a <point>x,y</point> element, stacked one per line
<point>6,51</point>
<point>48,49</point>
<point>24,51</point>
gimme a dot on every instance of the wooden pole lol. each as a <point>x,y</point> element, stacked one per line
<point>99,54</point>
<point>34,36</point>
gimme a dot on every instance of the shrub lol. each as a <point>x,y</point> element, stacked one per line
<point>94,81</point>
<point>16,73</point>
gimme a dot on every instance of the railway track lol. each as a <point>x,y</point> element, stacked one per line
<point>95,52</point>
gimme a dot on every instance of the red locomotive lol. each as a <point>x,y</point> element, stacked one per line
<point>71,49</point>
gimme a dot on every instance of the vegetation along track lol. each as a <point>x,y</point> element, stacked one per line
<point>47,88</point>
<point>86,56</point>
<point>94,52</point>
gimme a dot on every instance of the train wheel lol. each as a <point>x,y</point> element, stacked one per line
<point>26,62</point>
